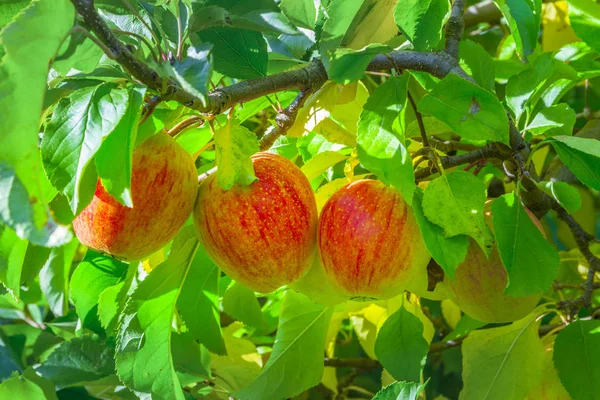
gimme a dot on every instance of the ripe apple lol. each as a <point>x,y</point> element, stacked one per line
<point>369,241</point>
<point>479,283</point>
<point>164,186</point>
<point>262,235</point>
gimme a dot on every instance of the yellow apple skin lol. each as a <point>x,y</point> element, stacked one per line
<point>164,185</point>
<point>369,241</point>
<point>479,284</point>
<point>262,235</point>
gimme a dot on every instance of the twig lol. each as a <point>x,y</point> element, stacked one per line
<point>455,28</point>
<point>183,125</point>
<point>360,363</point>
<point>149,108</point>
<point>488,151</point>
<point>87,34</point>
<point>143,39</point>
<point>419,118</point>
<point>577,286</point>
<point>438,347</point>
<point>285,118</point>
<point>582,238</point>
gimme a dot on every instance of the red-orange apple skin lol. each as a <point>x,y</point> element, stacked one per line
<point>164,185</point>
<point>479,283</point>
<point>369,241</point>
<point>263,234</point>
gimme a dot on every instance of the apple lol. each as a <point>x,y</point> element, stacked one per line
<point>369,241</point>
<point>263,235</point>
<point>164,186</point>
<point>479,283</point>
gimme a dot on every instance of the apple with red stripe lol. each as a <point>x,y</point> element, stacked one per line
<point>369,241</point>
<point>263,234</point>
<point>164,186</point>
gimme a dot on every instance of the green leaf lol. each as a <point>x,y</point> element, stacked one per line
<point>400,391</point>
<point>189,356</point>
<point>21,388</point>
<point>348,65</point>
<point>114,159</point>
<point>78,361</point>
<point>524,19</point>
<point>530,260</point>
<point>29,44</point>
<point>313,144</point>
<point>35,258</point>
<point>320,163</point>
<point>10,360</point>
<point>257,18</point>
<point>502,363</point>
<point>238,53</point>
<point>12,256</point>
<point>112,301</point>
<point>380,136</point>
<point>555,120</point>
<point>581,156</point>
<point>576,353</point>
<point>234,145</point>
<point>79,125</point>
<point>94,274</point>
<point>567,195</point>
<point>198,302</point>
<point>340,15</point>
<point>48,387</point>
<point>302,13</point>
<point>584,17</point>
<point>401,347</point>
<point>296,363</point>
<point>8,10</point>
<point>240,302</point>
<point>195,71</point>
<point>143,353</point>
<point>521,87</point>
<point>447,252</point>
<point>433,126</point>
<point>77,52</point>
<point>17,210</point>
<point>471,111</point>
<point>478,63</point>
<point>464,326</point>
<point>422,21</point>
<point>54,278</point>
<point>455,202</point>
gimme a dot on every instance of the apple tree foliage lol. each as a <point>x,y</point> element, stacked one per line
<point>509,109</point>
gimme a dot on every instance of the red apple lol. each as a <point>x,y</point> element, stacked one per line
<point>369,241</point>
<point>164,186</point>
<point>262,235</point>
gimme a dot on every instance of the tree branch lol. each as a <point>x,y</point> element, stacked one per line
<point>487,151</point>
<point>455,27</point>
<point>583,239</point>
<point>219,100</point>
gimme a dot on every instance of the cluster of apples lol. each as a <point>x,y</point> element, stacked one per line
<point>365,244</point>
